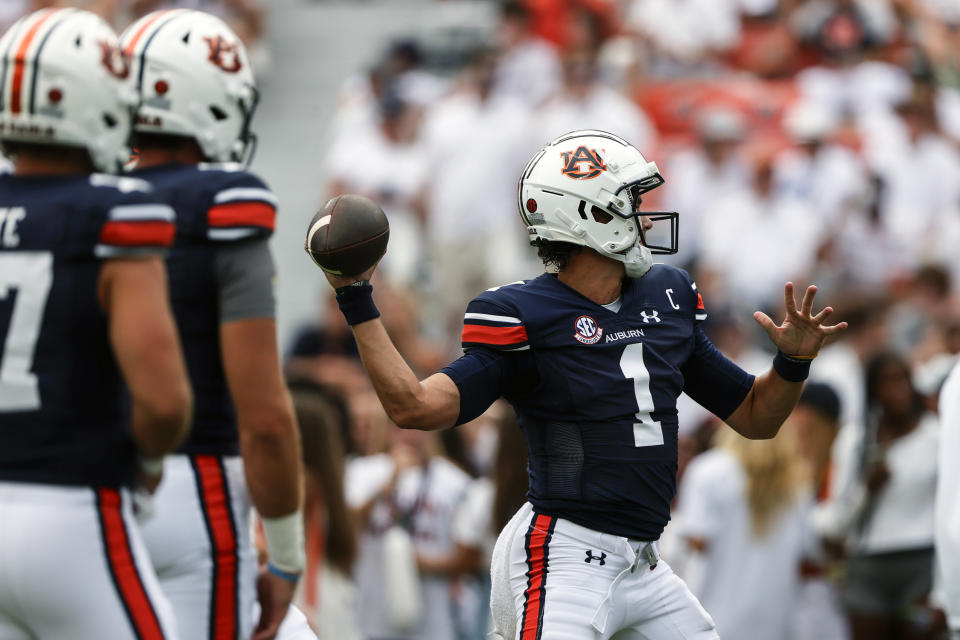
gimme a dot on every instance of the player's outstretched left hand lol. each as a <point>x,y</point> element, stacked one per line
<point>801,333</point>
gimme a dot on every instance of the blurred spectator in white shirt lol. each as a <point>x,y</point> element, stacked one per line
<point>686,31</point>
<point>399,68</point>
<point>419,491</point>
<point>753,240</point>
<point>920,169</point>
<point>585,103</point>
<point>947,516</point>
<point>883,502</point>
<point>699,175</point>
<point>813,424</point>
<point>743,510</point>
<point>326,594</point>
<point>384,160</point>
<point>477,142</point>
<point>828,176</point>
<point>529,68</point>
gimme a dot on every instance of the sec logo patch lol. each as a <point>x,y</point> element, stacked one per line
<point>587,330</point>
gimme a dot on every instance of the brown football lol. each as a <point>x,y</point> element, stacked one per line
<point>348,235</point>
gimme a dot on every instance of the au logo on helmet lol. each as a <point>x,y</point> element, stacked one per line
<point>224,54</point>
<point>582,164</point>
<point>115,61</point>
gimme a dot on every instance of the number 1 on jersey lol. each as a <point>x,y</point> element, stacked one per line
<point>646,431</point>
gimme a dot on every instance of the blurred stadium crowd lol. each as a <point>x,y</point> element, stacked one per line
<point>805,140</point>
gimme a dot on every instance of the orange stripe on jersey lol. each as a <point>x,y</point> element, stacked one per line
<point>20,62</point>
<point>149,233</point>
<point>494,335</point>
<point>242,214</point>
<point>123,568</point>
<point>538,537</point>
<point>139,34</point>
<point>700,306</point>
<point>223,543</point>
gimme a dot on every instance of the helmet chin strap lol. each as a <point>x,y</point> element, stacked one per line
<point>637,261</point>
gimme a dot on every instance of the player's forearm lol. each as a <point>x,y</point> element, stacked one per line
<point>270,446</point>
<point>767,405</point>
<point>403,396</point>
<point>160,426</point>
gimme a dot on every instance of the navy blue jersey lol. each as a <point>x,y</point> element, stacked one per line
<point>64,412</point>
<point>596,391</point>
<point>216,205</point>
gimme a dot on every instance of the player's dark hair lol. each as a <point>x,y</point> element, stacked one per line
<point>556,254</point>
<point>166,141</point>
<point>13,148</point>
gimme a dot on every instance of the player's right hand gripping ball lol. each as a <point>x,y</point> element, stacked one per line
<point>348,235</point>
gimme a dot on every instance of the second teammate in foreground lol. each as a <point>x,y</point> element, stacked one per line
<point>592,358</point>
<point>197,99</point>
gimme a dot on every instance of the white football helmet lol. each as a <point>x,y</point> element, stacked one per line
<point>584,188</point>
<point>64,81</point>
<point>194,80</point>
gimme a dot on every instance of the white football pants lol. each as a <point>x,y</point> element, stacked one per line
<point>555,580</point>
<point>199,540</point>
<point>73,566</point>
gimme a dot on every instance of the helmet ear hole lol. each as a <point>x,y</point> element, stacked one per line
<point>218,113</point>
<point>600,215</point>
<point>109,120</point>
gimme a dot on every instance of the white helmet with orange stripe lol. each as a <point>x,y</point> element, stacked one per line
<point>194,81</point>
<point>64,81</point>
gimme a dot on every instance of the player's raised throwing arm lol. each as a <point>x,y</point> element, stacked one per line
<point>433,403</point>
<point>798,339</point>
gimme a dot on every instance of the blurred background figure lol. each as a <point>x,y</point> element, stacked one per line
<point>529,68</point>
<point>409,490</point>
<point>743,511</point>
<point>883,504</point>
<point>947,504</point>
<point>477,142</point>
<point>327,595</point>
<point>586,102</point>
<point>779,230</point>
<point>813,425</point>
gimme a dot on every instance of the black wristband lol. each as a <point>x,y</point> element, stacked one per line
<point>791,369</point>
<point>356,302</point>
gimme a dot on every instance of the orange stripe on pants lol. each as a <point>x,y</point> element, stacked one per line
<point>123,568</point>
<point>538,537</point>
<point>223,541</point>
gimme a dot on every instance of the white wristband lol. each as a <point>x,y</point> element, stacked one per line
<point>285,546</point>
<point>151,466</point>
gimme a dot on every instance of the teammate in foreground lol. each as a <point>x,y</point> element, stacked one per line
<point>592,359</point>
<point>197,98</point>
<point>84,309</point>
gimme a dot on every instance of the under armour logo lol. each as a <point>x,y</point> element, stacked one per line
<point>654,315</point>
<point>601,558</point>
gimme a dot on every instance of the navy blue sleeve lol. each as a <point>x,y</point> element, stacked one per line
<point>711,379</point>
<point>482,375</point>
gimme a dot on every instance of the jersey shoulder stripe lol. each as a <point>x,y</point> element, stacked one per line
<point>243,208</point>
<point>492,320</point>
<point>136,228</point>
